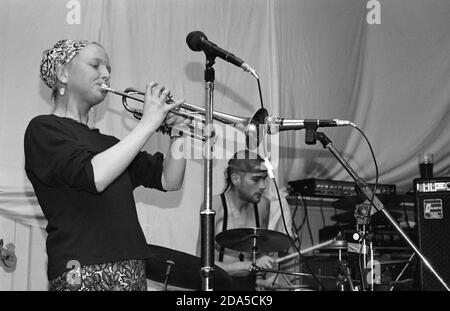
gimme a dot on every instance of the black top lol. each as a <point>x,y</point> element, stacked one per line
<point>83,224</point>
<point>246,282</point>
<point>225,223</point>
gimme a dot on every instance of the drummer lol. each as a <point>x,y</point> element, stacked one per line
<point>242,205</point>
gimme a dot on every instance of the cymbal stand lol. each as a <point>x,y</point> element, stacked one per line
<point>253,266</point>
<point>347,276</point>
<point>170,263</point>
<point>311,137</point>
<point>345,270</point>
<point>362,216</point>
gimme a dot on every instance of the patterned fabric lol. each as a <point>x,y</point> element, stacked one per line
<point>61,53</point>
<point>118,276</point>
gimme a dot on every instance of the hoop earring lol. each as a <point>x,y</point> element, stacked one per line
<point>62,90</point>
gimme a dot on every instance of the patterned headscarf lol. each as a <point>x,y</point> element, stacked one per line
<point>62,53</point>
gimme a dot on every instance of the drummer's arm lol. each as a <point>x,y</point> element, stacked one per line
<point>235,268</point>
<point>243,267</point>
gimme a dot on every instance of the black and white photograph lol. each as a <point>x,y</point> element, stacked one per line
<point>234,153</point>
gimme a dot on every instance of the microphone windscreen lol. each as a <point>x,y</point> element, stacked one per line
<point>194,39</point>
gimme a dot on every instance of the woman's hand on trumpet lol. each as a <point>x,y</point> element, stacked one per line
<point>173,119</point>
<point>156,108</point>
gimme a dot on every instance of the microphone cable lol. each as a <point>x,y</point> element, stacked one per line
<point>376,167</point>
<point>372,205</point>
<point>291,239</point>
<point>280,203</point>
<point>272,177</point>
<point>260,93</point>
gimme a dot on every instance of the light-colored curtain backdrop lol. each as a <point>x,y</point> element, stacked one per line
<point>315,58</point>
<point>392,79</point>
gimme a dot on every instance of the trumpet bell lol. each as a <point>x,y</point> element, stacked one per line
<point>256,129</point>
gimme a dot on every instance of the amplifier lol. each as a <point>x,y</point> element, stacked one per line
<point>333,188</point>
<point>433,214</point>
<point>432,185</point>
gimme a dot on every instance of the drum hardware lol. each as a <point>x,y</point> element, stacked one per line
<point>169,263</point>
<point>332,244</point>
<point>257,240</point>
<point>345,269</point>
<point>363,235</point>
<point>178,269</point>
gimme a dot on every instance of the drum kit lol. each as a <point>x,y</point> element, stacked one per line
<point>181,270</point>
<point>176,269</point>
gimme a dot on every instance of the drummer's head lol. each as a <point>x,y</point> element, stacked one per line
<point>246,175</point>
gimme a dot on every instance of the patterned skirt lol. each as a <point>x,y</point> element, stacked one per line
<point>126,275</point>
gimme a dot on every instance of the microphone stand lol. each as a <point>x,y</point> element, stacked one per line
<point>310,138</point>
<point>207,214</point>
<point>363,230</point>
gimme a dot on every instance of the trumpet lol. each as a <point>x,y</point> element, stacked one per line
<point>251,125</point>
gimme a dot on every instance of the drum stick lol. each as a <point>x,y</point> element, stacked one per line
<point>306,250</point>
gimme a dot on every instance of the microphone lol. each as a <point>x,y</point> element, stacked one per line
<point>197,41</point>
<point>276,124</point>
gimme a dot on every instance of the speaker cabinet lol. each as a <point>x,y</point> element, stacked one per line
<point>433,217</point>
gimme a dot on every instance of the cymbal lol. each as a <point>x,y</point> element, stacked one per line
<point>243,239</point>
<point>185,270</point>
<point>378,218</point>
<point>337,244</point>
<point>349,203</point>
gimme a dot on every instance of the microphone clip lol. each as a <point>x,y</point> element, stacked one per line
<point>310,134</point>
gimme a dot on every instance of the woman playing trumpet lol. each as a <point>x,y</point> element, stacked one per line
<point>84,179</point>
